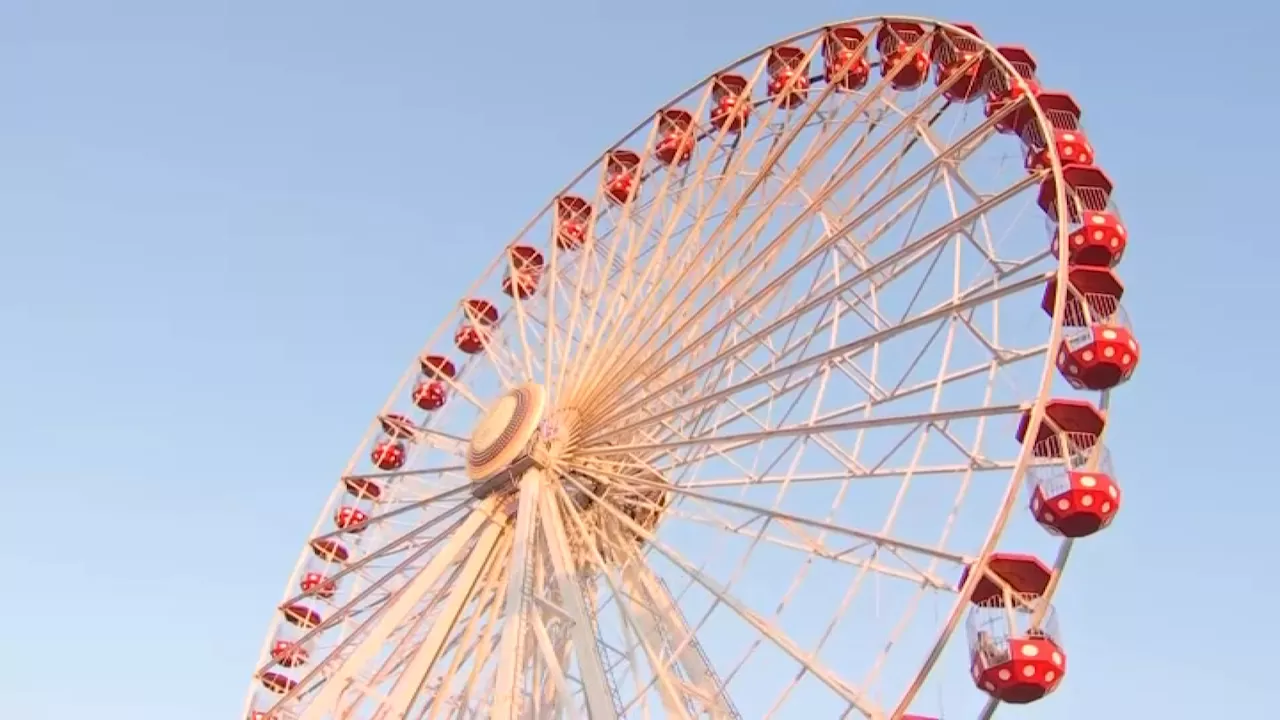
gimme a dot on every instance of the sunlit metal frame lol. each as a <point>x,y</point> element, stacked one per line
<point>519,567</point>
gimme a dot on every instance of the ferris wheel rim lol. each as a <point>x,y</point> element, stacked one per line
<point>1042,392</point>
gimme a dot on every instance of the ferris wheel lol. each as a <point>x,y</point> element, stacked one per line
<point>807,372</point>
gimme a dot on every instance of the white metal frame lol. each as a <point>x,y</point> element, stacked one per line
<point>685,332</point>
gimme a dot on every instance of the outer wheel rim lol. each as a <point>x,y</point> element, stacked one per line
<point>1038,404</point>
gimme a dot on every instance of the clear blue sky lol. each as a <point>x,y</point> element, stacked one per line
<point>205,206</point>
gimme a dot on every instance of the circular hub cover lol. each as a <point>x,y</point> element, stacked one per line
<point>504,433</point>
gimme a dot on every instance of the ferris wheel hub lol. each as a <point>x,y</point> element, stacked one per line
<point>502,437</point>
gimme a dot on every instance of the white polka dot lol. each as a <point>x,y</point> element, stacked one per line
<point>1048,516</point>
<point>1062,356</point>
<point>1064,504</point>
<point>1068,151</point>
<point>1050,675</point>
<point>1004,674</point>
<point>1106,507</point>
<point>1029,671</point>
<point>988,686</point>
<point>1099,220</point>
<point>1057,658</point>
<point>1087,355</point>
<point>1087,500</point>
<point>1120,229</point>
<point>1073,369</point>
<point>1133,345</point>
<point>1125,358</point>
<point>1109,351</point>
<point>1079,239</point>
<point>1114,492</point>
<point>1088,481</point>
<point>1098,235</point>
<point>1115,242</point>
<point>1068,137</point>
<point>1030,650</point>
<point>1109,334</point>
<point>1035,502</point>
